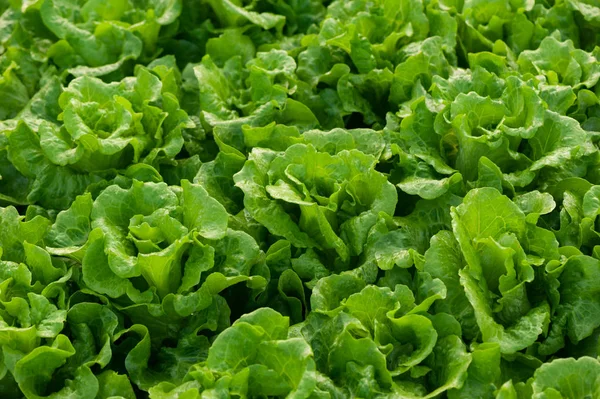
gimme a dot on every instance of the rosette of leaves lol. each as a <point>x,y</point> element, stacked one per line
<point>98,39</point>
<point>520,124</point>
<point>74,358</point>
<point>32,84</point>
<point>483,25</point>
<point>237,90</point>
<point>102,128</point>
<point>151,243</point>
<point>34,296</point>
<point>367,56</point>
<point>327,201</point>
<point>493,267</point>
<point>33,284</point>
<point>256,356</point>
<point>575,225</point>
<point>381,340</point>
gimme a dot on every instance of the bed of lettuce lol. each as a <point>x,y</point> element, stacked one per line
<point>299,198</point>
